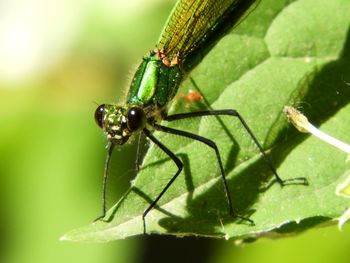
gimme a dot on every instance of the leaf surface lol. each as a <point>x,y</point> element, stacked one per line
<point>285,53</point>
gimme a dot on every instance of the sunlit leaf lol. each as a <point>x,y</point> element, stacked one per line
<point>293,52</point>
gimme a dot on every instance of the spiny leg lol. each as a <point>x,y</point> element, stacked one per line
<point>212,145</point>
<point>138,153</point>
<point>104,181</point>
<point>179,167</point>
<point>234,113</point>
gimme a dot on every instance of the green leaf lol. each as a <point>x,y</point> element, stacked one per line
<point>293,52</point>
<point>343,190</point>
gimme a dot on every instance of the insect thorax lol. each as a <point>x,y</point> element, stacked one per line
<point>155,82</point>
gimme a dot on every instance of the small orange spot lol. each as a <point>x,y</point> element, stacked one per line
<point>158,57</point>
<point>192,96</point>
<point>166,62</point>
<point>175,61</point>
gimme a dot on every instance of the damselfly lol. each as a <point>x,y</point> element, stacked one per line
<point>192,29</point>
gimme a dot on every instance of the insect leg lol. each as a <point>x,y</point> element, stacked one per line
<point>212,145</point>
<point>234,113</point>
<point>179,165</point>
<point>104,180</point>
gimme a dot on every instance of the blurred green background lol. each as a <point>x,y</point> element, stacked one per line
<point>58,59</point>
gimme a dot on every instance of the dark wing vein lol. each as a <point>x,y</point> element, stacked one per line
<point>193,24</point>
<point>189,23</point>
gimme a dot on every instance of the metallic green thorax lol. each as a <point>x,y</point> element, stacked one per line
<point>155,81</point>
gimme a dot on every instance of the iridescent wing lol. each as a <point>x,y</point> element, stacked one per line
<point>196,25</point>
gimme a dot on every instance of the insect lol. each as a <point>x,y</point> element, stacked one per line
<point>192,29</point>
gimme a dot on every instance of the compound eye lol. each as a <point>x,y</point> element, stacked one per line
<point>99,115</point>
<point>135,118</point>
